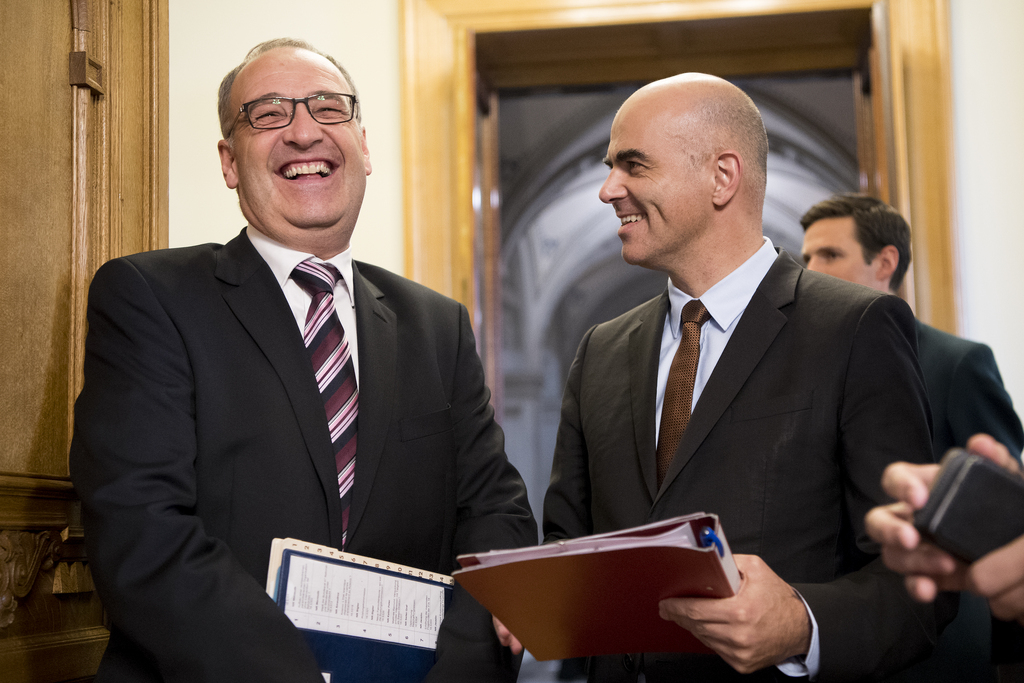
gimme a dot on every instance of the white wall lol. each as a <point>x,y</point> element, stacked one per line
<point>988,101</point>
<point>209,38</point>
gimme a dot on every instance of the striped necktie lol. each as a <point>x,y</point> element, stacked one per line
<point>335,372</point>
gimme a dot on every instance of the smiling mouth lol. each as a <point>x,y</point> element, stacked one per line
<point>632,218</point>
<point>319,168</point>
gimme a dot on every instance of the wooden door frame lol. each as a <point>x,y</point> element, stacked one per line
<point>438,119</point>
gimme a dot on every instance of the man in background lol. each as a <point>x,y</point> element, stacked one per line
<point>748,389</point>
<point>275,387</point>
<point>861,239</point>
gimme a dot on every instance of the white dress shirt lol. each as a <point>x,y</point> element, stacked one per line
<point>725,302</point>
<point>282,262</point>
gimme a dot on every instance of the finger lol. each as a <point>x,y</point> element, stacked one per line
<point>986,446</point>
<point>924,588</point>
<point>717,635</point>
<point>1009,605</point>
<point>505,636</point>
<point>689,612</point>
<point>674,609</point>
<point>999,570</point>
<point>749,564</point>
<point>693,610</point>
<point>891,525</point>
<point>921,588</point>
<point>910,483</point>
<point>499,628</point>
<point>926,559</point>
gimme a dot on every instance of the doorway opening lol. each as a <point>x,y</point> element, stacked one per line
<point>561,271</point>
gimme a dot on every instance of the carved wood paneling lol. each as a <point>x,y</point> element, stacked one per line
<point>23,554</point>
<point>51,621</point>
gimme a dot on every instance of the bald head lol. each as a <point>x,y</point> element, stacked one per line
<point>688,163</point>
<point>708,115</point>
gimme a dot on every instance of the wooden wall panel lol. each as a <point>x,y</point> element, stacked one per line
<point>83,179</point>
<point>51,621</point>
<point>35,246</point>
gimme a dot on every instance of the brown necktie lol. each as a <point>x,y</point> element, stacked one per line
<point>675,411</point>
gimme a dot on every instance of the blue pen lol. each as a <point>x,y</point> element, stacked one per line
<point>708,538</point>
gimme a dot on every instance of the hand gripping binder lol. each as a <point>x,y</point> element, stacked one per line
<point>599,594</point>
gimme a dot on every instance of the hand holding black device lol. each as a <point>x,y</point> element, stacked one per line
<point>974,507</point>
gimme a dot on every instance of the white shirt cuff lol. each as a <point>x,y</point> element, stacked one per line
<point>804,665</point>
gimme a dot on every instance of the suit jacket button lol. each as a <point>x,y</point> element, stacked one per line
<point>627,662</point>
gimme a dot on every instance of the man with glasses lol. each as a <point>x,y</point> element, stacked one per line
<point>274,387</point>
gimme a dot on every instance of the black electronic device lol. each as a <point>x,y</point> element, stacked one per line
<point>974,507</point>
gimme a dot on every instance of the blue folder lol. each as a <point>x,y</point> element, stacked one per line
<point>346,658</point>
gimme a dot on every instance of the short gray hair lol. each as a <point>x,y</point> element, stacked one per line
<point>228,116</point>
<point>737,117</point>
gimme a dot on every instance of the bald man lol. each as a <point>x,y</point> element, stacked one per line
<point>806,387</point>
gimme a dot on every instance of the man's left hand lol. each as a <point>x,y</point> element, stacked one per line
<point>764,624</point>
<point>505,636</point>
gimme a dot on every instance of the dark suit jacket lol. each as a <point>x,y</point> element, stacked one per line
<point>816,392</point>
<point>965,391</point>
<point>200,436</point>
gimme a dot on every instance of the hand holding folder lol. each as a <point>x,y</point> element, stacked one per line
<point>764,624</point>
<point>599,594</point>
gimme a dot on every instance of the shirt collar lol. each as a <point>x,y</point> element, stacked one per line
<point>282,260</point>
<point>729,297</point>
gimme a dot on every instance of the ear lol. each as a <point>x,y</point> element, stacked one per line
<point>885,263</point>
<point>366,155</point>
<point>728,171</point>
<point>227,164</point>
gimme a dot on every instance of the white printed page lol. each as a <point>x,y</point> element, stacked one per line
<point>347,599</point>
<point>674,533</point>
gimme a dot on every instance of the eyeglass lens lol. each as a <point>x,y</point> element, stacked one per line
<point>276,112</point>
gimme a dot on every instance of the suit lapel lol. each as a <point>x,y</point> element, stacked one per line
<point>758,327</point>
<point>644,345</point>
<point>257,301</point>
<point>378,351</point>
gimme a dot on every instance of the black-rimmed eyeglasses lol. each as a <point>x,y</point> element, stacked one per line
<point>277,112</point>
